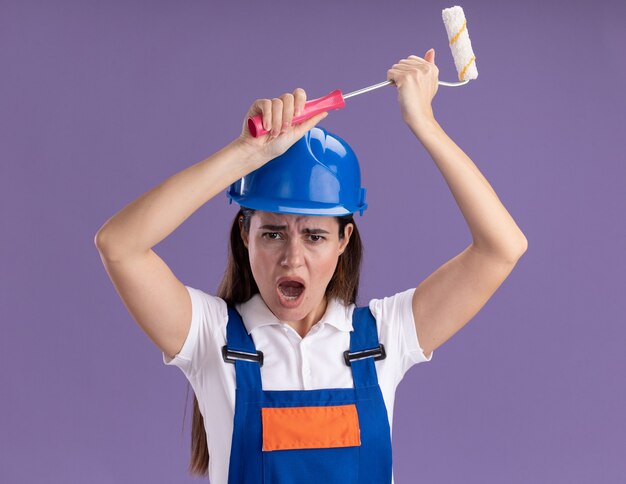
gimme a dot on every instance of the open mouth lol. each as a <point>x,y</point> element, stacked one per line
<point>291,290</point>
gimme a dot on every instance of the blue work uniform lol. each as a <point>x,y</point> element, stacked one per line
<point>329,436</point>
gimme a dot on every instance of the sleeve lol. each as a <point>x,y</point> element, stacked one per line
<point>396,327</point>
<point>207,314</point>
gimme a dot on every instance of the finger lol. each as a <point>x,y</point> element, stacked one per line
<point>299,95</point>
<point>415,58</point>
<point>300,129</point>
<point>430,56</point>
<point>264,108</point>
<point>405,67</point>
<point>288,102</point>
<point>277,116</point>
<point>412,60</point>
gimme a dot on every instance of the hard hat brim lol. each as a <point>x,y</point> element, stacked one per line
<point>298,207</point>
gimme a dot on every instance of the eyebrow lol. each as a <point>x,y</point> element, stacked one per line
<point>304,231</point>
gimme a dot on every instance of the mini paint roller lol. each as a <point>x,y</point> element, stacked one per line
<point>458,38</point>
<point>464,61</point>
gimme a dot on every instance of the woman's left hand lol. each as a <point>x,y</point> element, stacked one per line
<point>417,81</point>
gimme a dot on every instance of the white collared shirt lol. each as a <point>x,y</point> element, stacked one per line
<point>290,362</point>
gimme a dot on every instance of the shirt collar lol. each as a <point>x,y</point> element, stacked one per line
<point>255,314</point>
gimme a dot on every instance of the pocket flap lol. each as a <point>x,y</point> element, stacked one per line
<point>310,427</point>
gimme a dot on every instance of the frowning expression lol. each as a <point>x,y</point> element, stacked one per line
<point>293,258</point>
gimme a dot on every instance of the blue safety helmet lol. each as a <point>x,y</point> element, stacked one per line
<point>318,175</point>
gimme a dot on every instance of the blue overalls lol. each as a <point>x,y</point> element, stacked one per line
<point>328,436</point>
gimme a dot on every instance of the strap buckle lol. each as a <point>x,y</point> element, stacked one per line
<point>377,353</point>
<point>230,356</point>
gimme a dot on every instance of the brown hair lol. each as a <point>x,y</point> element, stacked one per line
<point>238,285</point>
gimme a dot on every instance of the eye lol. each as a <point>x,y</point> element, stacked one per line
<point>268,235</point>
<point>318,239</point>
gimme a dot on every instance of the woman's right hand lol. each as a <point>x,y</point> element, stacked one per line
<point>277,114</point>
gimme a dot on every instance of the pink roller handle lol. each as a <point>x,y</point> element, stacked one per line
<point>332,100</point>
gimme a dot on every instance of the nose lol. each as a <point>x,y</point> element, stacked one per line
<point>293,255</point>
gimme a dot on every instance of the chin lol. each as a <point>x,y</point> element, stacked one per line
<point>288,314</point>
<point>296,312</point>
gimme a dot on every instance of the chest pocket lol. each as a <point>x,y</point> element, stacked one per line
<point>311,444</point>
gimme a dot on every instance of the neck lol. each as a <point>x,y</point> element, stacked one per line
<point>303,326</point>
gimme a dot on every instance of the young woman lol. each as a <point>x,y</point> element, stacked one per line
<point>293,382</point>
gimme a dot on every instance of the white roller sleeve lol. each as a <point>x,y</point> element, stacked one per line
<point>458,37</point>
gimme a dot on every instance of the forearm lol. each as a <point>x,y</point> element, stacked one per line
<point>153,216</point>
<point>492,227</point>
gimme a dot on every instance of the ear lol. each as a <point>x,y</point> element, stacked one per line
<point>242,232</point>
<point>347,232</point>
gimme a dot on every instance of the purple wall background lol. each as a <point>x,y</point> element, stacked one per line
<point>101,101</point>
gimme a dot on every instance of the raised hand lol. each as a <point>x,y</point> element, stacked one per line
<point>417,81</point>
<point>277,114</point>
